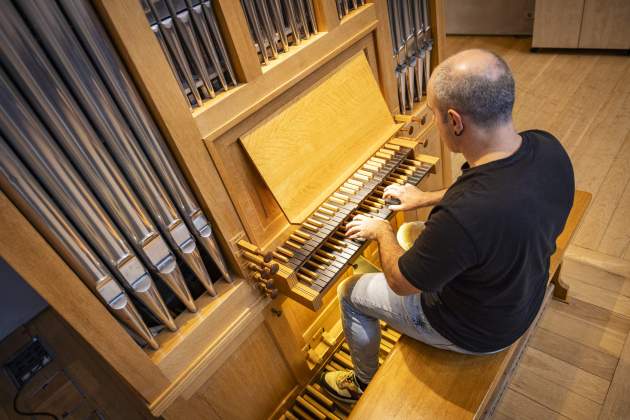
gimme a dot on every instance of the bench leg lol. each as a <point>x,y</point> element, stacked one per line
<point>561,289</point>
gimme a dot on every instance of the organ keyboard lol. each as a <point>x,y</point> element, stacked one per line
<point>317,252</point>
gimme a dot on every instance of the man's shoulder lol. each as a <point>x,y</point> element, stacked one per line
<point>542,139</point>
<point>548,150</point>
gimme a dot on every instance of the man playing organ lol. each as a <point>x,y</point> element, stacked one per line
<point>475,278</point>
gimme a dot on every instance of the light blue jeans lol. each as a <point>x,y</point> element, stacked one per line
<point>365,299</point>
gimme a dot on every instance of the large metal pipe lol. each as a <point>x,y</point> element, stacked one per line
<point>310,13</point>
<point>186,33</point>
<point>196,12</point>
<point>211,19</point>
<point>301,14</point>
<point>267,26</point>
<point>278,22</point>
<point>292,19</point>
<point>176,51</point>
<point>29,196</point>
<point>67,53</point>
<point>28,137</point>
<point>174,67</point>
<point>130,103</point>
<point>29,67</point>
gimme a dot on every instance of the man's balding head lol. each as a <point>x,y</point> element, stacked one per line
<point>478,84</point>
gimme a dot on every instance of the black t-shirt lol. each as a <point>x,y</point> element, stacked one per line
<point>483,259</point>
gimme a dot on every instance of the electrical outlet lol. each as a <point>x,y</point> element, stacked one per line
<point>29,360</point>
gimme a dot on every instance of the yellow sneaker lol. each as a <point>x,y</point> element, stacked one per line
<point>342,385</point>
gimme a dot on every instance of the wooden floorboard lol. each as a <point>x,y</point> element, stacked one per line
<point>617,237</point>
<point>565,374</point>
<point>572,364</point>
<point>597,277</point>
<point>592,314</point>
<point>599,260</point>
<point>575,353</point>
<point>607,299</point>
<point>617,404</point>
<point>553,396</point>
<point>591,334</point>
<point>520,407</point>
<point>606,203</point>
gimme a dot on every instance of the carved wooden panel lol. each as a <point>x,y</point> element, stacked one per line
<point>305,150</point>
<point>263,220</point>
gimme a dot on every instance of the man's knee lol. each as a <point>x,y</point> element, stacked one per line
<point>345,287</point>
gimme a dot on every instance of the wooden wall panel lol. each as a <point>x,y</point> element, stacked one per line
<point>250,383</point>
<point>196,407</point>
<point>557,23</point>
<point>605,24</point>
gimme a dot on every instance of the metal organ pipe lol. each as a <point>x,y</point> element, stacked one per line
<point>32,200</point>
<point>66,52</point>
<point>130,104</point>
<point>83,159</point>
<point>37,148</point>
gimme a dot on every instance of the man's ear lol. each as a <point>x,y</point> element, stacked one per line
<point>456,122</point>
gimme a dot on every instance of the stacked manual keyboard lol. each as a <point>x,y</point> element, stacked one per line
<point>318,251</point>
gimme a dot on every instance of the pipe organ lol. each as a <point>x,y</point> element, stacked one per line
<point>193,45</point>
<point>184,170</point>
<point>275,25</point>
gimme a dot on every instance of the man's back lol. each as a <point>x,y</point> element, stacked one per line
<point>483,258</point>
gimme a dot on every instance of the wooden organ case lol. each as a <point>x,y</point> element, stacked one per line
<point>279,161</point>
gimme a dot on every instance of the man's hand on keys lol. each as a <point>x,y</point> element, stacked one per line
<point>407,197</point>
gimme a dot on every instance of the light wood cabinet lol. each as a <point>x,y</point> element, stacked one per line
<point>605,24</point>
<point>240,355</point>
<point>582,24</point>
<point>557,23</point>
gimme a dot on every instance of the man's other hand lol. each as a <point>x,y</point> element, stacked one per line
<point>364,227</point>
<point>410,197</point>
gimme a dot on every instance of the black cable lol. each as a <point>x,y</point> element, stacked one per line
<point>27,413</point>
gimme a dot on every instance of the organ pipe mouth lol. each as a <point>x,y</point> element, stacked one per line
<point>194,261</point>
<point>126,312</point>
<point>170,273</point>
<point>146,291</point>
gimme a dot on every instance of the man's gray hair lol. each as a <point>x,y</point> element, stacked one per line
<point>487,98</point>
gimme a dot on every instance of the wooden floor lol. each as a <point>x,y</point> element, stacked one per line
<point>577,364</point>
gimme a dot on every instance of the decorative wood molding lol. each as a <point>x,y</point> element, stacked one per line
<point>239,43</point>
<point>219,115</point>
<point>325,15</point>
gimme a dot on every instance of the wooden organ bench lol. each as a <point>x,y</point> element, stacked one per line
<point>419,381</point>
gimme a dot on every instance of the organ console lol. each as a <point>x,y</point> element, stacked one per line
<point>204,156</point>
